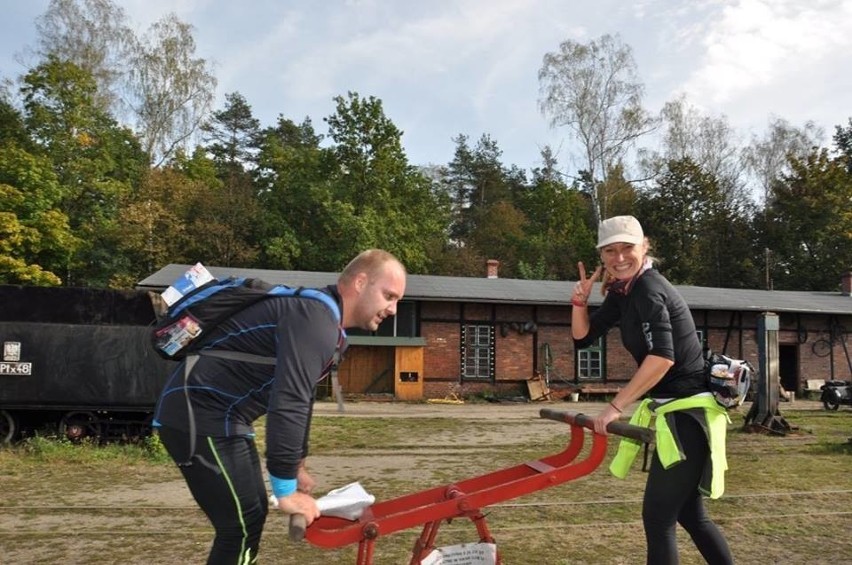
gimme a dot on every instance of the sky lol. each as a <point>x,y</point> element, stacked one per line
<point>443,68</point>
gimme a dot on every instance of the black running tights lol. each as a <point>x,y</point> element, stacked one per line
<point>226,480</point>
<point>672,497</point>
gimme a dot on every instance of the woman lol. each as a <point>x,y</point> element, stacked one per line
<point>658,330</point>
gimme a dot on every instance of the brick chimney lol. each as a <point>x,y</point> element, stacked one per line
<point>493,266</point>
<point>846,283</point>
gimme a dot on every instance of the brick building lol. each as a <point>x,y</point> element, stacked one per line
<point>490,335</point>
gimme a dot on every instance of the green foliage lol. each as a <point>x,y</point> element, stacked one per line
<point>809,225</point>
<point>536,272</point>
<point>232,134</point>
<point>392,203</point>
<point>95,162</point>
<point>292,172</point>
<point>558,231</point>
<point>699,235</point>
<point>95,36</point>
<point>843,142</point>
<point>37,242</point>
<point>475,179</point>
<point>154,221</point>
<point>12,129</point>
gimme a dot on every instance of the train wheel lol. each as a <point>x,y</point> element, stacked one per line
<point>8,427</point>
<point>76,426</point>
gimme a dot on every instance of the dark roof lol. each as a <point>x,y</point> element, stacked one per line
<point>518,291</point>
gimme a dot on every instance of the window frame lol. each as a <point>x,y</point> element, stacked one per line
<point>484,335</point>
<point>583,361</point>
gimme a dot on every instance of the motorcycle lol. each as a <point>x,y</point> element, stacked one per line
<point>835,393</point>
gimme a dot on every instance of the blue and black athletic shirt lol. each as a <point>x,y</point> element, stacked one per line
<point>227,396</point>
<point>654,319</point>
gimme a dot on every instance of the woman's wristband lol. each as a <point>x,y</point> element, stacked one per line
<point>617,409</point>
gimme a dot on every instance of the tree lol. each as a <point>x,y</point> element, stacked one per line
<point>593,90</point>
<point>557,233</point>
<point>809,227</point>
<point>475,180</point>
<point>500,234</point>
<point>231,134</point>
<point>843,141</point>
<point>95,161</point>
<point>768,157</point>
<point>154,220</point>
<point>157,77</point>
<point>94,35</point>
<point>229,214</point>
<point>171,89</point>
<point>699,236</point>
<point>222,217</point>
<point>708,142</point>
<point>372,180</point>
<point>291,178</point>
<point>12,128</point>
<point>36,243</point>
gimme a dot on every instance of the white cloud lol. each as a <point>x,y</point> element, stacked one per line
<point>756,44</point>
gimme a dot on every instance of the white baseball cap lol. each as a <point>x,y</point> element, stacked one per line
<point>620,229</point>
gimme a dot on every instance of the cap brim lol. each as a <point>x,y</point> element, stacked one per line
<point>621,238</point>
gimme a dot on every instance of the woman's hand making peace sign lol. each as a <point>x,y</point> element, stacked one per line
<point>583,288</point>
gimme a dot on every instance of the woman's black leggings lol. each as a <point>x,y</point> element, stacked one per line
<point>226,480</point>
<point>672,497</point>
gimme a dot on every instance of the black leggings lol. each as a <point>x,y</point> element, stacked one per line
<point>226,480</point>
<point>672,497</point>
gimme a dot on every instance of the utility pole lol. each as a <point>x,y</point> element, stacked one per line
<point>766,255</point>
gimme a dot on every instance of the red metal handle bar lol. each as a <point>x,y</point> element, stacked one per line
<point>645,435</point>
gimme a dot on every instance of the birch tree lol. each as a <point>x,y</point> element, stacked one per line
<point>768,157</point>
<point>95,36</point>
<point>172,89</point>
<point>593,90</point>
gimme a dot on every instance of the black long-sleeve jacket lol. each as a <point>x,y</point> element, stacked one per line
<point>227,395</point>
<point>654,320</point>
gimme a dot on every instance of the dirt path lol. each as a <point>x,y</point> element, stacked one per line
<point>489,411</point>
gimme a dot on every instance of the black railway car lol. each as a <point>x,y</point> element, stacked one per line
<point>77,361</point>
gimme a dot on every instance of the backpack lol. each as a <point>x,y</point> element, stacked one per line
<point>729,379</point>
<point>185,326</point>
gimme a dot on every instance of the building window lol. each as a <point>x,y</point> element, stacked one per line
<point>700,334</point>
<point>590,361</point>
<point>477,352</point>
<point>403,324</point>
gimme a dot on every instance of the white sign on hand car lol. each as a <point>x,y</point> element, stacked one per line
<point>463,554</point>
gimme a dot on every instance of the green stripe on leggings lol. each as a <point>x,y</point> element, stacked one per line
<point>244,552</point>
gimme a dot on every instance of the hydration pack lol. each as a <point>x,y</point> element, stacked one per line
<point>184,327</point>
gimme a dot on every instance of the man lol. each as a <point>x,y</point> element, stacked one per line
<point>219,399</point>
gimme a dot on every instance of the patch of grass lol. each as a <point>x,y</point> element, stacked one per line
<point>47,449</point>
